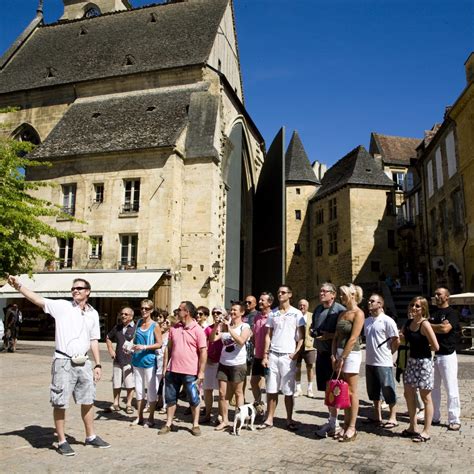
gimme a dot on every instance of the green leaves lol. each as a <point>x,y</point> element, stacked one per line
<point>23,232</point>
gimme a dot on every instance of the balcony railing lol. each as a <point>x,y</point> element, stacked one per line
<point>127,264</point>
<point>65,263</point>
<point>130,207</point>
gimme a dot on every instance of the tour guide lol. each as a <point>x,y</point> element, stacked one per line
<point>77,331</point>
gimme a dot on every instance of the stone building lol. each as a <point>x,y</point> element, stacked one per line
<point>141,113</point>
<point>462,113</point>
<point>397,155</point>
<point>301,184</point>
<point>352,222</point>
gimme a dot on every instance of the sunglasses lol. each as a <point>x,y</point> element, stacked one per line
<point>214,313</point>
<point>415,305</point>
<point>200,313</point>
<point>282,292</point>
<point>144,308</point>
<point>79,288</point>
<point>125,314</point>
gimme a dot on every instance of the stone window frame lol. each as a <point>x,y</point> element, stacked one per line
<point>65,252</point>
<point>69,196</point>
<point>128,258</point>
<point>298,214</point>
<point>96,247</point>
<point>99,193</point>
<point>131,196</point>
<point>332,206</point>
<point>319,247</point>
<point>332,239</point>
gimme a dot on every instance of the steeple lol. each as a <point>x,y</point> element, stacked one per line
<point>297,165</point>
<point>75,9</point>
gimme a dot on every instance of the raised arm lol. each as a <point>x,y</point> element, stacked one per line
<point>36,299</point>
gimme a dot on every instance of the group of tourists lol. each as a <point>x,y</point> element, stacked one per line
<point>195,352</point>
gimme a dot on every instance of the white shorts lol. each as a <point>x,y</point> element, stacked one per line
<point>352,363</point>
<point>122,377</point>
<point>145,379</point>
<point>282,374</point>
<point>210,376</point>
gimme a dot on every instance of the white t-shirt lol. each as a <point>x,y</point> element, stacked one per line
<point>75,329</point>
<point>377,330</point>
<point>285,329</point>
<point>232,354</point>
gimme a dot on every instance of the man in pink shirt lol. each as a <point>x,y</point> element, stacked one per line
<point>259,331</point>
<point>187,355</point>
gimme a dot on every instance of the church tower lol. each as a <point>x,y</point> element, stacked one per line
<point>75,9</point>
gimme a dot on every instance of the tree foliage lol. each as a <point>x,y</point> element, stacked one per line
<point>22,229</point>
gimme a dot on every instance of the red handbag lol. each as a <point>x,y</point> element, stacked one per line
<point>337,393</point>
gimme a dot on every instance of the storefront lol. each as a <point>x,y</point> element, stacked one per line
<point>111,290</point>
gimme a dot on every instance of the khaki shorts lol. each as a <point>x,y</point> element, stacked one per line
<point>68,379</point>
<point>122,377</point>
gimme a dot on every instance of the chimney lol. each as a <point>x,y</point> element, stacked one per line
<point>469,66</point>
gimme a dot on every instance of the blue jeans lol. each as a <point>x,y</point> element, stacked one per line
<point>173,384</point>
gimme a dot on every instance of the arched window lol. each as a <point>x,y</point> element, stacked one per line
<point>91,10</point>
<point>26,133</point>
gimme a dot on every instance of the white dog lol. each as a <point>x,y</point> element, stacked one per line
<point>244,415</point>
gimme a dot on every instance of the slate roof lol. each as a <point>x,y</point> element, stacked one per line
<point>358,169</point>
<point>153,38</point>
<point>394,150</point>
<point>120,122</point>
<point>297,165</point>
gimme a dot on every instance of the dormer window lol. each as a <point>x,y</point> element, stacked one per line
<point>91,11</point>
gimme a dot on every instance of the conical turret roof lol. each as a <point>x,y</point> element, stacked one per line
<point>298,167</point>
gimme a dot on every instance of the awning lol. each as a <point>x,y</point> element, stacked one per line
<point>119,284</point>
<point>462,298</point>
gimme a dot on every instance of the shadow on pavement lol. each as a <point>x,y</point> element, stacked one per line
<point>39,437</point>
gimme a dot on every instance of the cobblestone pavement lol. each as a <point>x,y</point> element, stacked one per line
<point>27,434</point>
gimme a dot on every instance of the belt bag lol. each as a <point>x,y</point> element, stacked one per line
<point>76,359</point>
<point>337,393</point>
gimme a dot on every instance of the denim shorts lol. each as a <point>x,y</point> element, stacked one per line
<point>380,381</point>
<point>173,384</point>
<point>68,379</point>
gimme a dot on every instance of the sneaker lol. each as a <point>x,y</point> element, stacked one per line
<point>326,430</point>
<point>98,443</point>
<point>298,393</point>
<point>65,449</point>
<point>420,416</point>
<point>384,405</point>
<point>310,393</point>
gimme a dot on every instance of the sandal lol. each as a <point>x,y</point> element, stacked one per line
<point>347,439</point>
<point>421,439</point>
<point>265,426</point>
<point>388,425</point>
<point>129,410</point>
<point>408,434</point>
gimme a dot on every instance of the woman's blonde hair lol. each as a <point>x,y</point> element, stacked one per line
<point>425,307</point>
<point>352,291</point>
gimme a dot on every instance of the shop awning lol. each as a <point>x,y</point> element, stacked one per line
<point>119,284</point>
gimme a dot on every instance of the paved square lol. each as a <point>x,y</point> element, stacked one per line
<point>27,433</point>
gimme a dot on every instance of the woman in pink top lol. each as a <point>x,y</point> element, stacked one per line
<point>214,350</point>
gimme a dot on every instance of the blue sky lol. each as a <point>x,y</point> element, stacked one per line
<point>335,70</point>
